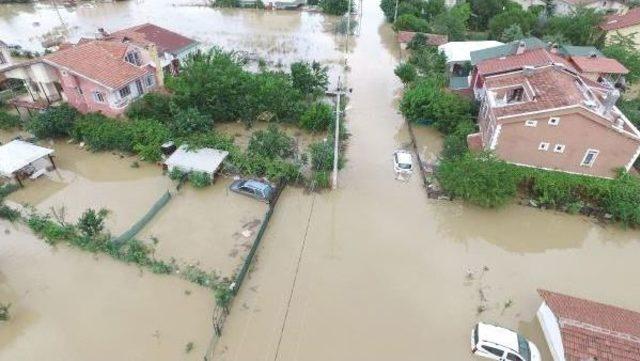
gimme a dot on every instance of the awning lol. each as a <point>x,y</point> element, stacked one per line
<point>206,160</point>
<point>18,154</point>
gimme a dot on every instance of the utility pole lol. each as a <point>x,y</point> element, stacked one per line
<point>336,138</point>
<point>395,14</point>
<point>346,46</point>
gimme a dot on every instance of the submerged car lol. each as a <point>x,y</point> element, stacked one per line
<point>402,161</point>
<point>502,344</point>
<point>254,188</point>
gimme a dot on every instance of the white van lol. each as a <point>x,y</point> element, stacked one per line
<point>501,344</point>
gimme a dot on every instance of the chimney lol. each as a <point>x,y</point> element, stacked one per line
<point>521,47</point>
<point>554,48</point>
<point>102,34</point>
<point>610,101</point>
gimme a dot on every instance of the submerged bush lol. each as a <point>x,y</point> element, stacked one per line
<point>271,143</point>
<point>199,179</point>
<point>8,213</point>
<point>55,122</point>
<point>9,121</point>
<point>317,118</point>
<point>406,72</point>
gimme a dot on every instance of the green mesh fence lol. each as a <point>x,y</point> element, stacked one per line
<point>138,226</point>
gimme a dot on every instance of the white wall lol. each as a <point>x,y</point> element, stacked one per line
<point>551,330</point>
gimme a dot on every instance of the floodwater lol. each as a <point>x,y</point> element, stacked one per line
<point>212,227</point>
<point>376,271</point>
<point>67,305</point>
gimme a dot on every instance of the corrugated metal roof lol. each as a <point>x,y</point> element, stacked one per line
<point>505,50</point>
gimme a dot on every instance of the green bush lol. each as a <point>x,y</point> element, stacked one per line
<point>410,22</point>
<point>480,179</point>
<point>151,106</point>
<point>271,143</point>
<point>334,7</point>
<point>55,122</point>
<point>101,133</point>
<point>406,72</point>
<point>91,223</point>
<point>9,121</point>
<point>199,179</point>
<point>309,79</point>
<point>320,179</point>
<point>322,156</point>
<point>8,213</point>
<point>318,117</point>
<point>176,174</point>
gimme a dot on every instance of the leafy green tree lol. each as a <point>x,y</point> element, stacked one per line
<point>91,223</point>
<point>309,79</point>
<point>428,102</point>
<point>54,122</point>
<point>189,120</point>
<point>433,8</point>
<point>579,28</point>
<point>271,143</point>
<point>410,22</point>
<point>428,61</point>
<point>8,121</point>
<point>453,22</point>
<point>152,105</point>
<point>411,7</point>
<point>514,32</point>
<point>628,56</point>
<point>631,108</point>
<point>406,72</point>
<point>318,117</point>
<point>510,19</point>
<point>334,7</point>
<point>485,10</point>
<point>272,93</point>
<point>480,179</point>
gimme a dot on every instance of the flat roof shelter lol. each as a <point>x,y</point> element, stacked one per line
<point>205,160</point>
<point>17,160</point>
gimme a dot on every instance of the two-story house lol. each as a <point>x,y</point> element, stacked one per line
<point>624,24</point>
<point>549,117</point>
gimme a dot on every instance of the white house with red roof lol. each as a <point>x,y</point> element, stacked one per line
<point>581,330</point>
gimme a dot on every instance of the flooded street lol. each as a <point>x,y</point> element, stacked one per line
<point>372,271</point>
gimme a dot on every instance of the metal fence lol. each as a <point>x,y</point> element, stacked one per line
<point>139,225</point>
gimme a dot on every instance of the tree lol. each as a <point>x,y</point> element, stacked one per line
<point>271,143</point>
<point>334,7</point>
<point>272,95</point>
<point>189,120</point>
<point>91,223</point>
<point>406,72</point>
<point>428,60</point>
<point>309,79</point>
<point>318,117</point>
<point>485,10</point>
<point>410,22</point>
<point>514,32</point>
<point>516,17</point>
<point>480,179</point>
<point>628,56</point>
<point>152,105</point>
<point>54,122</point>
<point>582,27</point>
<point>453,22</point>
<point>433,8</point>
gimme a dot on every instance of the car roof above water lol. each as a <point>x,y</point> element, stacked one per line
<point>403,157</point>
<point>499,335</point>
<point>257,185</point>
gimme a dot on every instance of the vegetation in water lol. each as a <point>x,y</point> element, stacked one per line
<point>4,311</point>
<point>8,120</point>
<point>55,122</point>
<point>199,179</point>
<point>335,7</point>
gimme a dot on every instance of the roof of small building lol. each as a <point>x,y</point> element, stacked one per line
<point>100,61</point>
<point>460,51</point>
<point>165,40</point>
<point>432,39</point>
<point>572,50</point>
<point>600,65</point>
<point>595,331</point>
<point>18,154</point>
<point>621,21</point>
<point>504,50</point>
<point>536,58</point>
<point>206,160</point>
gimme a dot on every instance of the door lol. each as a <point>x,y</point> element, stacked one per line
<point>139,87</point>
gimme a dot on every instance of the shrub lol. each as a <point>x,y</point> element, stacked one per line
<point>334,7</point>
<point>406,72</point>
<point>199,179</point>
<point>480,179</point>
<point>101,133</point>
<point>428,61</point>
<point>55,122</point>
<point>271,143</point>
<point>309,79</point>
<point>321,156</point>
<point>9,121</point>
<point>151,106</point>
<point>318,117</point>
<point>623,200</point>
<point>320,179</point>
<point>176,174</point>
<point>410,22</point>
<point>8,213</point>
<point>91,223</point>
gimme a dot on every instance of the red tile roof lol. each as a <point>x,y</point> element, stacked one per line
<point>617,21</point>
<point>535,57</point>
<point>165,40</point>
<point>432,39</point>
<point>100,61</point>
<point>592,330</point>
<point>598,65</point>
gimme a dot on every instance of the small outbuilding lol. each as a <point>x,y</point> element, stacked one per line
<point>458,54</point>
<point>20,159</point>
<point>205,160</point>
<point>581,330</point>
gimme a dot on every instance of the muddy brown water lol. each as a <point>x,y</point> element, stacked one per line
<point>373,271</point>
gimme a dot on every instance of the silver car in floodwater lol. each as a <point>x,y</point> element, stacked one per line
<point>502,344</point>
<point>254,188</point>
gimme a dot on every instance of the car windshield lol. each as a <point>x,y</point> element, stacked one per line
<point>404,166</point>
<point>523,346</point>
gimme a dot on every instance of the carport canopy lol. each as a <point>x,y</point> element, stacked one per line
<point>18,154</point>
<point>205,160</point>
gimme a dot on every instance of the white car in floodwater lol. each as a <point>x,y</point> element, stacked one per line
<point>502,344</point>
<point>402,161</point>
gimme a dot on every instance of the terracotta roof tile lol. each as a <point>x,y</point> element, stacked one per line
<point>536,58</point>
<point>592,330</point>
<point>598,65</point>
<point>98,60</point>
<point>617,21</point>
<point>165,40</point>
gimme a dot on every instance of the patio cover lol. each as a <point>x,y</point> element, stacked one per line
<point>206,160</point>
<point>460,51</point>
<point>18,154</point>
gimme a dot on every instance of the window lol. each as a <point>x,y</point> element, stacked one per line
<point>515,95</point>
<point>531,123</point>
<point>543,146</point>
<point>513,357</point>
<point>134,58</point>
<point>124,92</point>
<point>589,157</point>
<point>150,80</point>
<point>554,121</point>
<point>496,351</point>
<point>99,97</point>
<point>559,148</point>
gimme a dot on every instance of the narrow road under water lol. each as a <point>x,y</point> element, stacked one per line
<point>376,271</point>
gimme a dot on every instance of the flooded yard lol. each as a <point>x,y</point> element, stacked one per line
<point>68,305</point>
<point>212,227</point>
<point>242,135</point>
